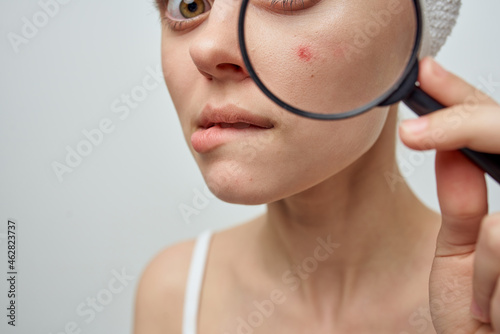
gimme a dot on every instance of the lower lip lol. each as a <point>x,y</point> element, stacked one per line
<point>205,140</point>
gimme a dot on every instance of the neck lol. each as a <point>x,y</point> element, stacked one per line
<point>365,225</point>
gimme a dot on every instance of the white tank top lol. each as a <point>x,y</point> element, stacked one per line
<point>194,283</point>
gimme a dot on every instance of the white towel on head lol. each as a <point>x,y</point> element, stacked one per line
<point>440,17</point>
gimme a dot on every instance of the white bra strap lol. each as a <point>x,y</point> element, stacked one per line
<point>194,283</point>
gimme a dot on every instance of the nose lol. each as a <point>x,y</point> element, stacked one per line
<point>215,49</point>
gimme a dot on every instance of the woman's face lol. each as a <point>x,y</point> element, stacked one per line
<point>249,150</point>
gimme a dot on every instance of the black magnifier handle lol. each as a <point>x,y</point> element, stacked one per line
<point>421,103</point>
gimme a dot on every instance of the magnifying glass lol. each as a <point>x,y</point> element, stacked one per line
<point>332,59</point>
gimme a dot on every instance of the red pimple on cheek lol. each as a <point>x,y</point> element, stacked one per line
<point>304,53</point>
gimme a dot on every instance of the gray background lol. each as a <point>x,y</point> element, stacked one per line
<point>120,205</point>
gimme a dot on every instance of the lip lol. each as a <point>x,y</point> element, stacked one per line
<point>230,114</point>
<point>218,125</point>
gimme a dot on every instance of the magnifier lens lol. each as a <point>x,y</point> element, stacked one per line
<point>330,56</point>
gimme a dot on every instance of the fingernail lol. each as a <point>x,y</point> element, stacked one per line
<point>437,69</point>
<point>476,312</point>
<point>415,126</point>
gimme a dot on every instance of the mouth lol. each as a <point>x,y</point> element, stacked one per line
<point>218,126</point>
<point>231,117</point>
<point>237,125</point>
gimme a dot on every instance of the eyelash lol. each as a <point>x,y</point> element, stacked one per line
<point>287,4</point>
<point>176,25</point>
<point>172,24</point>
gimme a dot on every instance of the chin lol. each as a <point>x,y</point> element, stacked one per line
<point>245,184</point>
<point>235,196</point>
<point>236,186</point>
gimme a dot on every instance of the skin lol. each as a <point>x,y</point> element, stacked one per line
<point>304,53</point>
<point>213,49</point>
<point>467,242</point>
<point>377,279</point>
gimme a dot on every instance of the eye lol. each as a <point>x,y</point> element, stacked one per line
<point>186,9</point>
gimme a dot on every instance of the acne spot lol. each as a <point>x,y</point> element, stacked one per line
<point>304,53</point>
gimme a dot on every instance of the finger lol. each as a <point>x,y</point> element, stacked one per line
<point>462,196</point>
<point>447,88</point>
<point>454,128</point>
<point>495,308</point>
<point>486,267</point>
<point>470,112</point>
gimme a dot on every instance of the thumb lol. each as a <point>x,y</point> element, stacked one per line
<point>461,188</point>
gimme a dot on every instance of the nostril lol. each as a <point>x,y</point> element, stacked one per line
<point>227,66</point>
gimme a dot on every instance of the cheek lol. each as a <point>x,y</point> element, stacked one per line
<point>304,52</point>
<point>337,64</point>
<point>329,147</point>
<point>177,65</point>
<point>325,149</point>
<point>180,77</point>
<point>300,154</point>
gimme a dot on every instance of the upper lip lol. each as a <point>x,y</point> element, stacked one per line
<point>231,114</point>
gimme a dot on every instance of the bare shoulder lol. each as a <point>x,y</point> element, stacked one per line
<point>159,297</point>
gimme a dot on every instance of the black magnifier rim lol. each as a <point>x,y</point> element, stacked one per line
<point>344,115</point>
